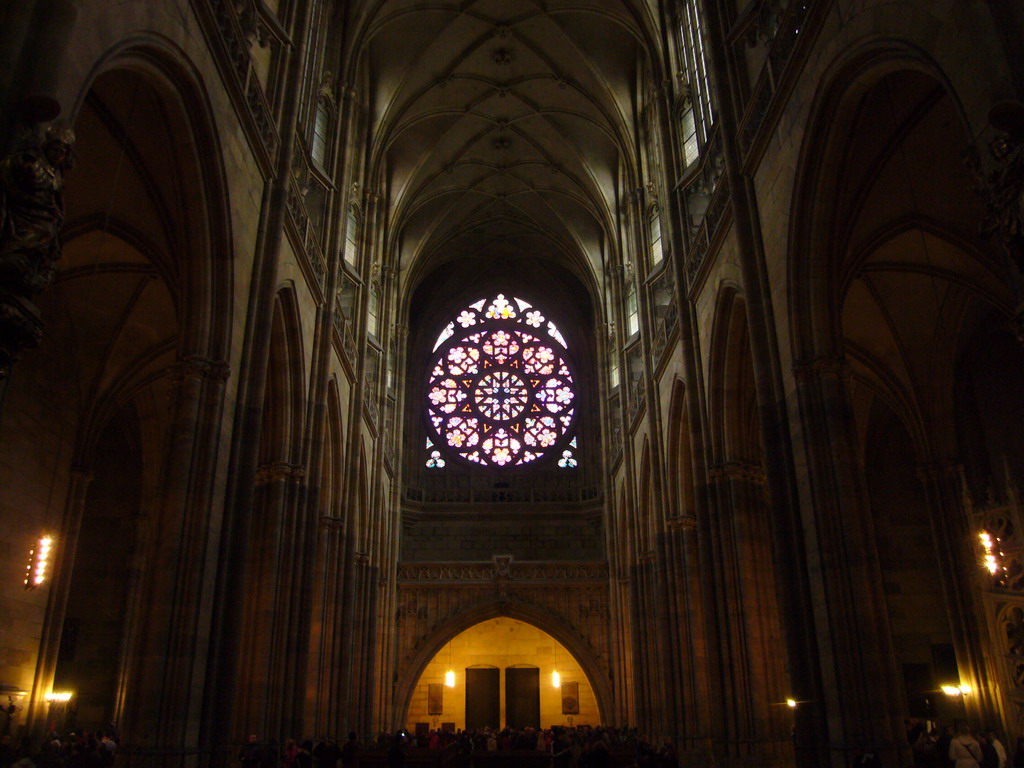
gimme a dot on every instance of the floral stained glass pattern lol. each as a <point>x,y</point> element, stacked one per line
<point>500,393</point>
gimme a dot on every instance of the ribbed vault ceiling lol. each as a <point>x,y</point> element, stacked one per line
<point>500,128</point>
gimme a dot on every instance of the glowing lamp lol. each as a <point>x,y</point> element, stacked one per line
<point>989,558</point>
<point>791,703</point>
<point>38,562</point>
<point>449,678</point>
<point>556,680</point>
<point>956,690</point>
<point>59,697</point>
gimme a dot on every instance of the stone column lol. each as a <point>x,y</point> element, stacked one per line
<point>223,678</point>
<point>693,734</point>
<point>858,661</point>
<point>271,597</point>
<point>165,685</point>
<point>796,602</point>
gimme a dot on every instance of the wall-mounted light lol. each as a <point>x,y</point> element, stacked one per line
<point>38,562</point>
<point>791,703</point>
<point>59,697</point>
<point>556,680</point>
<point>991,552</point>
<point>956,690</point>
<point>449,678</point>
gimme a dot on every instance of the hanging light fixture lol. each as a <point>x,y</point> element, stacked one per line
<point>449,676</point>
<point>556,680</point>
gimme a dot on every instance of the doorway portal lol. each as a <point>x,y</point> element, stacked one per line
<point>483,698</point>
<point>522,697</point>
<point>517,657</point>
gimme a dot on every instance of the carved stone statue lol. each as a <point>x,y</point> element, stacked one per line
<point>32,210</point>
<point>1005,199</point>
<point>31,216</point>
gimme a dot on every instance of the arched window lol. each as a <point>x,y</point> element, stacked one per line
<point>373,311</point>
<point>501,392</point>
<point>654,231</point>
<point>352,237</point>
<point>321,133</point>
<point>632,310</point>
<point>697,115</point>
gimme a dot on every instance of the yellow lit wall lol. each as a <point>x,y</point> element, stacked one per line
<point>503,643</point>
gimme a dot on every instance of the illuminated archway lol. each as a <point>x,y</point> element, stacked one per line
<point>578,654</point>
<point>502,643</point>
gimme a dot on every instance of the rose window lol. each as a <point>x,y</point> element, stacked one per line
<point>501,392</point>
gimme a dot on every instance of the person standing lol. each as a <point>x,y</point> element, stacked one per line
<point>997,745</point>
<point>249,755</point>
<point>350,751</point>
<point>964,750</point>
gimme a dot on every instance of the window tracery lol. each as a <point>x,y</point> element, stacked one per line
<point>501,392</point>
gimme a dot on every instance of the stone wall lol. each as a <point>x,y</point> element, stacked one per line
<point>525,538</point>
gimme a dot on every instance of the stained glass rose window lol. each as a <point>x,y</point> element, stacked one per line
<point>501,392</point>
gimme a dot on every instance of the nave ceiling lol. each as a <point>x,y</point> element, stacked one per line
<point>501,129</point>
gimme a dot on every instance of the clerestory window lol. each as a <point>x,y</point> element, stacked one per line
<point>698,113</point>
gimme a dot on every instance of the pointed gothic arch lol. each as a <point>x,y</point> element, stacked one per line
<point>587,657</point>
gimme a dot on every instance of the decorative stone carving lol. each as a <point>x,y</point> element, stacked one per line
<point>196,367</point>
<point>31,217</point>
<point>681,523</point>
<point>1003,187</point>
<point>503,567</point>
<point>32,212</point>
<point>279,471</point>
<point>737,470</point>
<point>766,24</point>
<point>1013,630</point>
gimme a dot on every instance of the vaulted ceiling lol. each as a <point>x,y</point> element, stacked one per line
<point>501,129</point>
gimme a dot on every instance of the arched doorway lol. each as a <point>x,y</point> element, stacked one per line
<point>529,663</point>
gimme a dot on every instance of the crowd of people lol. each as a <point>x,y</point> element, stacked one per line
<point>568,747</point>
<point>84,749</point>
<point>960,747</point>
<point>580,747</point>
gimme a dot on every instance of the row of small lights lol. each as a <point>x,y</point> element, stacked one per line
<point>36,574</point>
<point>38,569</point>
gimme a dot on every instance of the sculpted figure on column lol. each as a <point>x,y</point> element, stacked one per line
<point>32,210</point>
